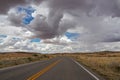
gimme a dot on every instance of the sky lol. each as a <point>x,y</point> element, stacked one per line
<point>58,26</point>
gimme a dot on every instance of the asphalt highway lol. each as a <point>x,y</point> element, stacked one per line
<point>59,68</point>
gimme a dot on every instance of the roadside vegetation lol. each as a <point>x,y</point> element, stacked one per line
<point>16,58</point>
<point>106,64</point>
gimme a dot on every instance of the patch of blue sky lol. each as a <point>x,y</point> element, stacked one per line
<point>28,10</point>
<point>72,36</point>
<point>27,19</point>
<point>35,40</point>
<point>16,39</point>
<point>1,40</point>
<point>3,36</point>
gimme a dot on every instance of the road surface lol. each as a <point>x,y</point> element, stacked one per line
<point>59,68</point>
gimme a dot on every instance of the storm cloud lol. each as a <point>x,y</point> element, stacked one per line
<point>87,13</point>
<point>5,5</point>
<point>16,19</point>
<point>90,14</point>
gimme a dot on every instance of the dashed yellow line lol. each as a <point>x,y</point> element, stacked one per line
<point>35,76</point>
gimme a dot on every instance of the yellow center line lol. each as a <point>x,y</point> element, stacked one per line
<point>35,76</point>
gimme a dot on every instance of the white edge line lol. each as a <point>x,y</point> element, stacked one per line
<point>86,70</point>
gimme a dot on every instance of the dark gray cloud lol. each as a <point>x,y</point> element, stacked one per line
<point>5,5</point>
<point>94,12</point>
<point>100,29</point>
<point>54,25</point>
<point>87,13</point>
<point>44,29</point>
<point>16,19</point>
<point>36,2</point>
<point>100,7</point>
<point>41,28</point>
<point>108,7</point>
<point>51,26</point>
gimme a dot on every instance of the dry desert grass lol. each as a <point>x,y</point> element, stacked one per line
<point>105,63</point>
<point>16,58</point>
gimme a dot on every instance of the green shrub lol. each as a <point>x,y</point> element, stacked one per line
<point>35,55</point>
<point>30,59</point>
